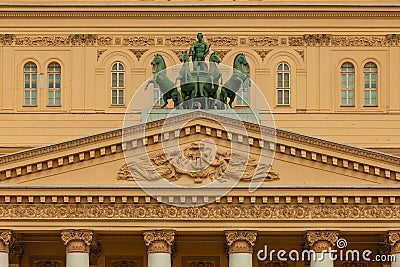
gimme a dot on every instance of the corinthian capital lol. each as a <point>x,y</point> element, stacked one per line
<point>240,241</point>
<point>159,241</point>
<point>394,240</point>
<point>322,240</point>
<point>5,239</point>
<point>77,240</point>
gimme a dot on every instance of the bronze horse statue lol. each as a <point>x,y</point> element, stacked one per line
<point>167,87</point>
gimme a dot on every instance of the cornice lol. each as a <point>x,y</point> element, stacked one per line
<point>288,143</point>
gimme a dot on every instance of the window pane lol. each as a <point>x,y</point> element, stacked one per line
<point>121,80</point>
<point>114,93</point>
<point>114,67</point>
<point>344,98</point>
<point>280,80</point>
<point>114,80</point>
<point>344,81</point>
<point>33,94</point>
<point>280,97</point>
<point>351,81</point>
<point>286,97</point>
<point>58,80</point>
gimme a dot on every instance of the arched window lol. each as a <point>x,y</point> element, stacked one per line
<point>118,84</point>
<point>30,84</point>
<point>370,87</point>
<point>283,84</point>
<point>347,90</point>
<point>157,95</point>
<point>242,95</point>
<point>54,79</point>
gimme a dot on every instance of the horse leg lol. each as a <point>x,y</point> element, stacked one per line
<point>232,96</point>
<point>166,96</point>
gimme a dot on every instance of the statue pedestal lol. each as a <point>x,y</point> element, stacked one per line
<point>245,114</point>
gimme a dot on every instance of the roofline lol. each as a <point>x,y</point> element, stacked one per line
<point>117,133</point>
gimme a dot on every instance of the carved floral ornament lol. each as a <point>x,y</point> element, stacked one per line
<point>5,240</point>
<point>77,240</point>
<point>240,241</point>
<point>216,41</point>
<point>159,241</point>
<point>394,240</point>
<point>322,240</point>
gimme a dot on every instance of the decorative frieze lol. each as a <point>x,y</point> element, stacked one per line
<point>77,240</point>
<point>105,40</point>
<point>309,212</point>
<point>263,41</point>
<point>42,41</point>
<point>240,241</point>
<point>7,39</point>
<point>320,241</point>
<point>5,240</point>
<point>216,41</point>
<point>159,241</point>
<point>83,39</point>
<point>394,241</point>
<point>176,41</point>
<point>223,40</point>
<point>138,41</point>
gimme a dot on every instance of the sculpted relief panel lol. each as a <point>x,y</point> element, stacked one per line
<point>198,161</point>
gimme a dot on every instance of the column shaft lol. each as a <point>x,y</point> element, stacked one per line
<point>3,259</point>
<point>396,263</point>
<point>240,260</point>
<point>321,260</point>
<point>77,259</point>
<point>159,260</point>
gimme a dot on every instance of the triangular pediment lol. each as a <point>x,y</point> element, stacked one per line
<point>98,160</point>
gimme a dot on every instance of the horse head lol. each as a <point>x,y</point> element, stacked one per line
<point>184,57</point>
<point>215,58</point>
<point>241,64</point>
<point>158,63</point>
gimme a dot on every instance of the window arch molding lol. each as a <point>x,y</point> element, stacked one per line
<point>170,58</point>
<point>109,57</point>
<point>290,56</point>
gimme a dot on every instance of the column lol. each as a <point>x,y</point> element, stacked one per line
<point>394,240</point>
<point>321,242</point>
<point>159,244</point>
<point>240,244</point>
<point>77,246</point>
<point>5,239</point>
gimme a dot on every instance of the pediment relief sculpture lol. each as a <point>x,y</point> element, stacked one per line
<point>201,162</point>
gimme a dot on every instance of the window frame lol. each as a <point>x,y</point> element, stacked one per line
<point>118,91</point>
<point>347,89</point>
<point>281,90</point>
<point>54,69</point>
<point>30,89</point>
<point>371,89</point>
